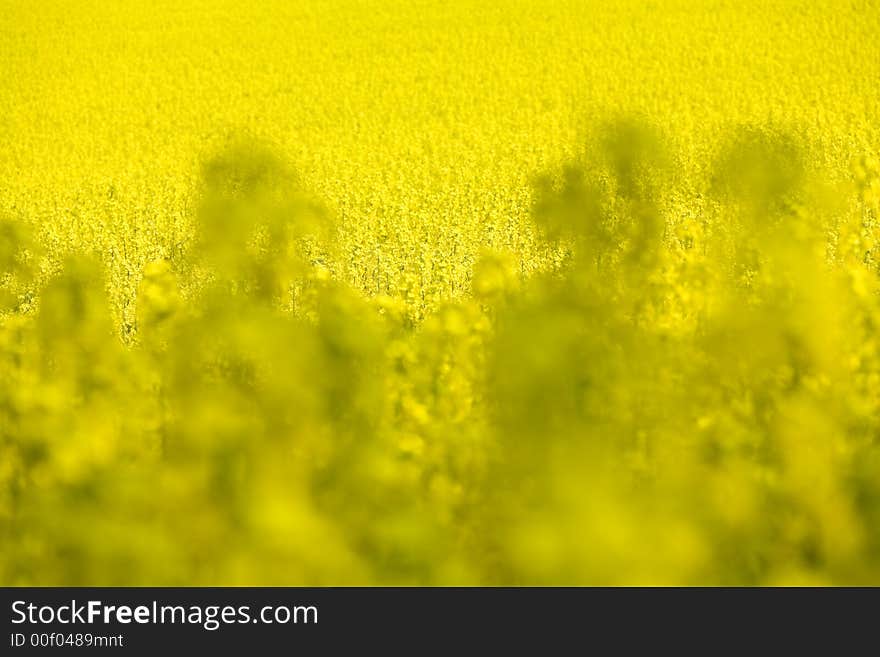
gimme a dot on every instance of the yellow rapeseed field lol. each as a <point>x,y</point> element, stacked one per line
<point>386,292</point>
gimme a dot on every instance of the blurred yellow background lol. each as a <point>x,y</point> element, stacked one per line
<point>439,292</point>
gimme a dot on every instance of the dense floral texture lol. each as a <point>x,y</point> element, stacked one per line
<point>440,294</point>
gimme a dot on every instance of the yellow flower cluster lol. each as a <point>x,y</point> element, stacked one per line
<point>439,293</point>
